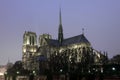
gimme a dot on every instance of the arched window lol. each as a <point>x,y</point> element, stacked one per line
<point>33,40</point>
<point>30,40</point>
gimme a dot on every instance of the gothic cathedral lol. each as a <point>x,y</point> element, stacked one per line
<point>59,54</point>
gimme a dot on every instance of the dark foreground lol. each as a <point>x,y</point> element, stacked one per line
<point>66,77</point>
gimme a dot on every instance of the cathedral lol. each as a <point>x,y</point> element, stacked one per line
<point>61,54</point>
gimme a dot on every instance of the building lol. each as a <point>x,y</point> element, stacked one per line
<point>29,49</point>
<point>2,71</point>
<point>58,55</point>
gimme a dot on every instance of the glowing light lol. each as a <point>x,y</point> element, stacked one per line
<point>70,56</point>
<point>61,70</point>
<point>89,71</point>
<point>56,53</point>
<point>27,42</point>
<point>113,68</point>
<point>1,74</point>
<point>60,50</point>
<point>17,72</point>
<point>24,50</point>
<point>93,68</point>
<point>33,72</point>
<point>96,70</point>
<point>101,70</point>
<point>75,46</point>
<point>34,50</point>
<point>98,55</point>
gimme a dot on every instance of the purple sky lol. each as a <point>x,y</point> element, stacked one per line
<point>99,18</point>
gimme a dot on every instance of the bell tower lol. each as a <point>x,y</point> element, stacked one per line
<point>29,47</point>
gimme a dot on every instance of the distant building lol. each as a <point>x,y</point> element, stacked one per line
<point>58,52</point>
<point>2,71</point>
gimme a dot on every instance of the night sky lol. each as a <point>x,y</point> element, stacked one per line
<point>99,18</point>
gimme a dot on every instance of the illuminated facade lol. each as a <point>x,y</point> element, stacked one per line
<point>29,49</point>
<point>76,49</point>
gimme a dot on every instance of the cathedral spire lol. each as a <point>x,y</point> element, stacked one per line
<point>60,30</point>
<point>60,17</point>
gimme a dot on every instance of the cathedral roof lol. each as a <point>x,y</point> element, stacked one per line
<point>76,39</point>
<point>53,42</point>
<point>72,40</point>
